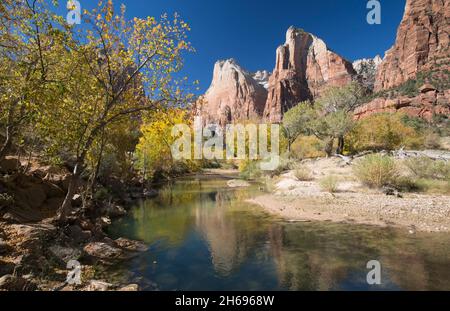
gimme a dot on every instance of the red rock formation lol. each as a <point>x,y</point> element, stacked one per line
<point>422,43</point>
<point>234,95</point>
<point>304,67</point>
<point>429,103</point>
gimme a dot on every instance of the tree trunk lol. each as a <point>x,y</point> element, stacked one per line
<point>6,145</point>
<point>340,147</point>
<point>66,207</point>
<point>98,164</point>
<point>329,147</point>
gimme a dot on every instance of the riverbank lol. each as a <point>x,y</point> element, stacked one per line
<point>296,200</point>
<point>36,256</point>
<point>35,252</point>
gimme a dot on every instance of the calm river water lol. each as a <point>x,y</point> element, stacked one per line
<point>203,236</point>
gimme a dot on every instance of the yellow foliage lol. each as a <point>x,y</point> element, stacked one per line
<point>153,151</point>
<point>308,147</point>
<point>383,132</point>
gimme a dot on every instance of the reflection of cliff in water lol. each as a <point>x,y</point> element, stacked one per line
<point>203,235</point>
<point>310,258</point>
<point>230,239</point>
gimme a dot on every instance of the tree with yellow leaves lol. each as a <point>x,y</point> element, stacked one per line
<point>119,69</point>
<point>28,43</point>
<point>153,151</point>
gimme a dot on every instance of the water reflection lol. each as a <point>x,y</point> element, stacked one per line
<point>203,236</point>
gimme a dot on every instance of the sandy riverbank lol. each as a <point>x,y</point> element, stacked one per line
<point>305,201</point>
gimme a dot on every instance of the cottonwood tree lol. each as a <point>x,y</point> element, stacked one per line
<point>119,69</point>
<point>28,41</point>
<point>296,122</point>
<point>336,108</point>
<point>329,118</point>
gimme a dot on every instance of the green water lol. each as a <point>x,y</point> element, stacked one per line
<point>203,236</point>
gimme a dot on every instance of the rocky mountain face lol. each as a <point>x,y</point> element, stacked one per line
<point>234,94</point>
<point>262,77</point>
<point>422,43</point>
<point>425,105</point>
<point>304,67</point>
<point>422,46</point>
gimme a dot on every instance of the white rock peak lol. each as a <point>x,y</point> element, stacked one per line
<point>359,62</point>
<point>224,69</point>
<point>262,77</point>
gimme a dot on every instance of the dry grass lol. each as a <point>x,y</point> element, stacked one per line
<point>329,183</point>
<point>303,173</point>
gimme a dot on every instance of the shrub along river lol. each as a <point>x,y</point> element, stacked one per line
<point>202,235</point>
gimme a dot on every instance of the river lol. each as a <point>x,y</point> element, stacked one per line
<point>202,235</point>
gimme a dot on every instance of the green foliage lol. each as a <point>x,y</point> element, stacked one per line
<point>296,120</point>
<point>286,164</point>
<point>440,79</point>
<point>377,171</point>
<point>78,93</point>
<point>367,73</point>
<point>410,88</point>
<point>424,167</point>
<point>420,125</point>
<point>250,170</point>
<point>102,194</point>
<point>329,118</point>
<point>433,186</point>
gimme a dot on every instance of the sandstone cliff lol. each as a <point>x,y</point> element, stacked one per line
<point>304,67</point>
<point>234,94</point>
<point>421,52</point>
<point>428,103</point>
<point>422,43</point>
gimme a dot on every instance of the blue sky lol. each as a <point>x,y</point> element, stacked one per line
<point>250,30</point>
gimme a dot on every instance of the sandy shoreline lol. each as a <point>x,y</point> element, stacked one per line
<point>416,213</point>
<point>296,200</point>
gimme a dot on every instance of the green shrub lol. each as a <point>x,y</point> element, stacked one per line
<point>249,170</point>
<point>408,184</point>
<point>433,186</point>
<point>101,194</point>
<point>424,167</point>
<point>303,173</point>
<point>270,184</point>
<point>410,88</point>
<point>377,171</point>
<point>286,164</point>
<point>329,184</point>
<point>432,140</point>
